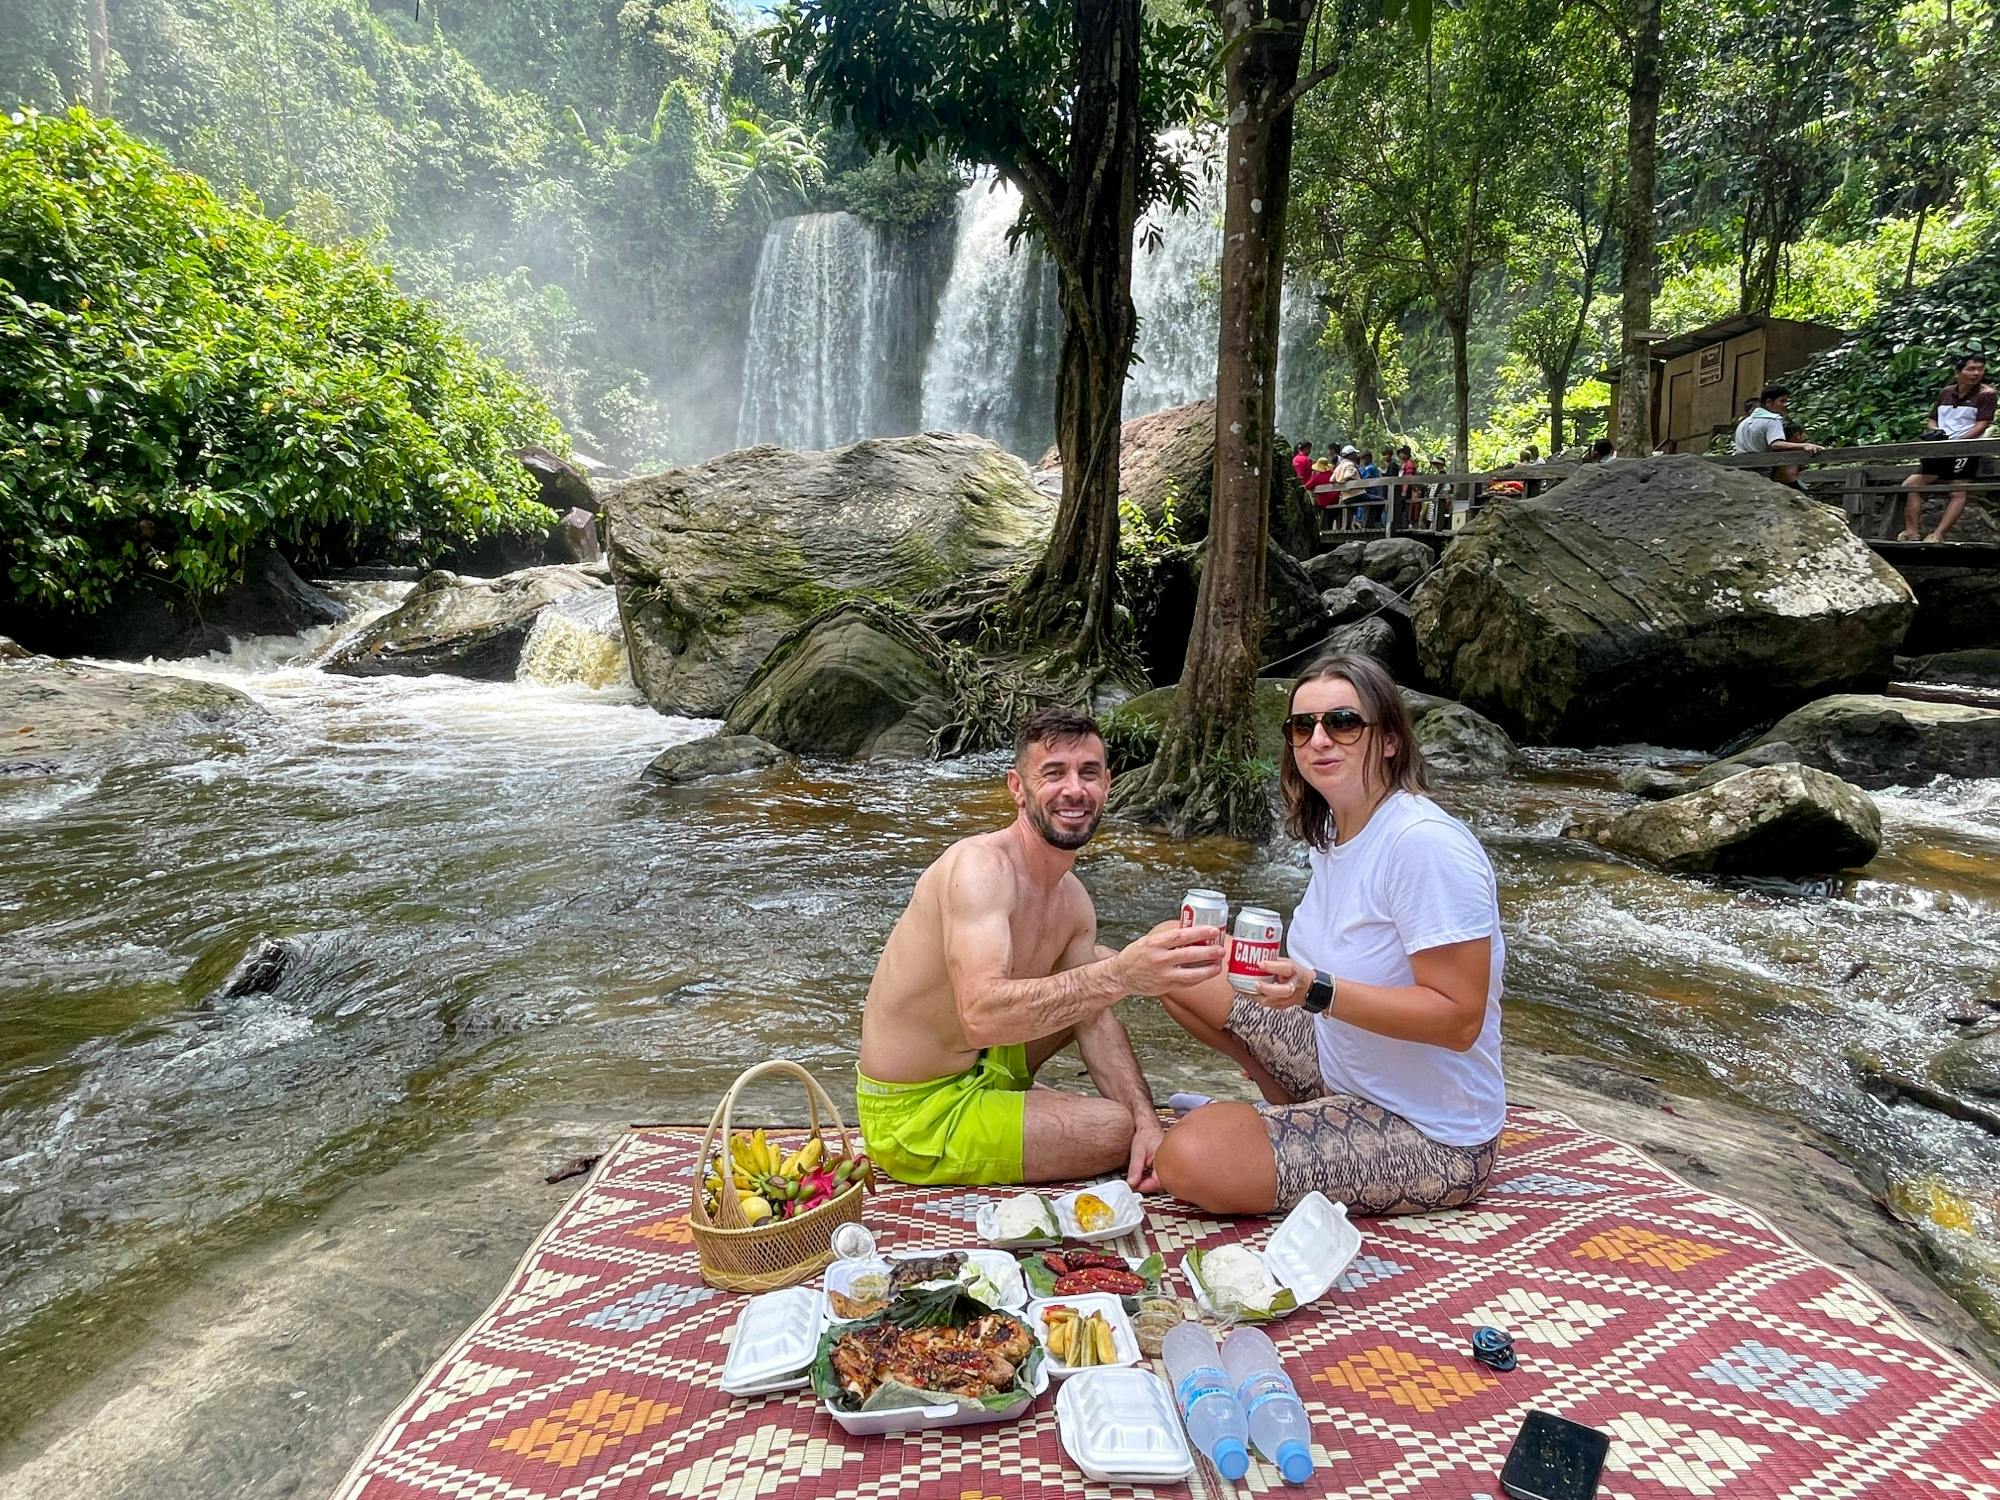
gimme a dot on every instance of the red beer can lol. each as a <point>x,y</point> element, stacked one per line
<point>1201,908</point>
<point>1258,937</point>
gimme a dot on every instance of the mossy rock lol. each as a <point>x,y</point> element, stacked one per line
<point>718,562</point>
<point>849,683</point>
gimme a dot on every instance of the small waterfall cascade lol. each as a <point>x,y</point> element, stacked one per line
<point>992,361</point>
<point>814,374</point>
<point>577,641</point>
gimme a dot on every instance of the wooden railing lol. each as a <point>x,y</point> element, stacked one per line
<point>1866,482</point>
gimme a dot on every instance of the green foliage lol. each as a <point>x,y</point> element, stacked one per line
<point>186,380</point>
<point>884,191</point>
<point>1130,740</point>
<point>1879,384</point>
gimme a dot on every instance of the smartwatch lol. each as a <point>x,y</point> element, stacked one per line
<point>1319,998</point>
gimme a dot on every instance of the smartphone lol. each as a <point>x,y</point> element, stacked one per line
<point>1554,1460</point>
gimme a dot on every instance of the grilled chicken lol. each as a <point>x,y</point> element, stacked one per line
<point>977,1360</point>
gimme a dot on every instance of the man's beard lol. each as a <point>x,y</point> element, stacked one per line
<point>1061,838</point>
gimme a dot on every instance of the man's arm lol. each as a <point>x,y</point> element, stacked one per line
<point>1114,1068</point>
<point>995,1009</point>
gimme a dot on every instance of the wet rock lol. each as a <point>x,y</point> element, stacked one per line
<point>1167,458</point>
<point>1876,741</point>
<point>850,682</point>
<point>11,650</point>
<point>564,486</point>
<point>718,755</point>
<point>1358,599</point>
<point>717,562</point>
<point>1294,618</point>
<point>55,714</point>
<point>1459,742</point>
<point>1775,820</point>
<point>260,971</point>
<point>1668,600</point>
<point>1977,668</point>
<point>1396,562</point>
<point>462,627</point>
<point>1970,1068</point>
<point>271,599</point>
<point>1652,783</point>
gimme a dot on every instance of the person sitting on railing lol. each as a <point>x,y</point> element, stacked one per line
<point>1763,431</point>
<point>1963,411</point>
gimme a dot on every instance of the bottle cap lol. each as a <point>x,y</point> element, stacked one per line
<point>1231,1458</point>
<point>1295,1462</point>
<point>853,1242</point>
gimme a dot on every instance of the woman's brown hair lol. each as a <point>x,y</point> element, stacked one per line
<point>1307,816</point>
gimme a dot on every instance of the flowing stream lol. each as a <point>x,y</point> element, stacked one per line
<point>495,916</point>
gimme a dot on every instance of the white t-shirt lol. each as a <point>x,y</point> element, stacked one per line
<point>1413,878</point>
<point>1756,432</point>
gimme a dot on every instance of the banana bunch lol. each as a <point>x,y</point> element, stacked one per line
<point>768,1185</point>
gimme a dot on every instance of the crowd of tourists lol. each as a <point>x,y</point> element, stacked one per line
<point>1335,482</point>
<point>1371,1040</point>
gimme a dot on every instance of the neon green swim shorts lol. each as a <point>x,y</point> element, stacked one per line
<point>965,1127</point>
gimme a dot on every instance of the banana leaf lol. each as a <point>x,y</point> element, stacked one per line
<point>1042,1281</point>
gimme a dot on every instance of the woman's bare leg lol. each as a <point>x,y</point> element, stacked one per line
<point>1219,1159</point>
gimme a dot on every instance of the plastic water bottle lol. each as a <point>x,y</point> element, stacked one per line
<point>1207,1399</point>
<point>1277,1417</point>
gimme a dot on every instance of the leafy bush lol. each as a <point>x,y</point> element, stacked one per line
<point>1878,384</point>
<point>182,381</point>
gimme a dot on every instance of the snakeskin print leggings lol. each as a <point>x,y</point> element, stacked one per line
<point>1353,1151</point>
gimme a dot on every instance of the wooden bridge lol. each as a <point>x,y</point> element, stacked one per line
<point>1866,482</point>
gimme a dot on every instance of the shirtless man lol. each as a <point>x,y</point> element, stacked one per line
<point>992,970</point>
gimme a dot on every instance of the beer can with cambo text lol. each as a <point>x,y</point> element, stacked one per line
<point>1258,937</point>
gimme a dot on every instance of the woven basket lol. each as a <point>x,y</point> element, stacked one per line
<point>779,1252</point>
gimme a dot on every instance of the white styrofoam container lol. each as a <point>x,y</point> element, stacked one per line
<point>1119,1426</point>
<point>841,1276</point>
<point>1128,1211</point>
<point>1124,1337</point>
<point>986,1221</point>
<point>1306,1253</point>
<point>912,1418</point>
<point>772,1348</point>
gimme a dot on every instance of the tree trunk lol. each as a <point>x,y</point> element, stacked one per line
<point>100,59</point>
<point>1201,780</point>
<point>1461,392</point>
<point>1916,239</point>
<point>1558,394</point>
<point>1070,595</point>
<point>1635,268</point>
<point>1365,413</point>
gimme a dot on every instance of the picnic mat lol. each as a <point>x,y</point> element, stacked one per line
<point>1722,1359</point>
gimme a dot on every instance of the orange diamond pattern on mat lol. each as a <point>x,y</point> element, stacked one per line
<point>1681,1458</point>
<point>1664,1252</point>
<point>1387,1373</point>
<point>1679,1364</point>
<point>672,1231</point>
<point>585,1428</point>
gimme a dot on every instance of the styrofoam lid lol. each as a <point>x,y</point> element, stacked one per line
<point>1119,1423</point>
<point>1312,1247</point>
<point>776,1335</point>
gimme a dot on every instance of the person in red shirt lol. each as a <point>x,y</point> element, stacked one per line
<point>1302,464</point>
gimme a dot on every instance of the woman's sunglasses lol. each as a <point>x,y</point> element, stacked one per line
<point>1342,725</point>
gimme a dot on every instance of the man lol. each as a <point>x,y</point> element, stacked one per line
<point>1345,471</point>
<point>1963,411</point>
<point>993,969</point>
<point>1763,431</point>
<point>1302,464</point>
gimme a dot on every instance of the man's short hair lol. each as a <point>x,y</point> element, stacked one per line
<point>1967,359</point>
<point>1054,726</point>
<point>1772,393</point>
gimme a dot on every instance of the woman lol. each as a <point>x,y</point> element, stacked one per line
<point>1376,1043</point>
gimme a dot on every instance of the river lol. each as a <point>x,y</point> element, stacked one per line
<point>496,917</point>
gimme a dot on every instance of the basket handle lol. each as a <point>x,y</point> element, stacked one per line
<point>728,1213</point>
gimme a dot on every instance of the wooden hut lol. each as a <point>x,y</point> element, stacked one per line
<point>1702,378</point>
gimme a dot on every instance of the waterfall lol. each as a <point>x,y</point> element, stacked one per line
<point>578,639</point>
<point>813,374</point>
<point>992,362</point>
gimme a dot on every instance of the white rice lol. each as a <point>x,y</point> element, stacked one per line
<point>1023,1217</point>
<point>1236,1278</point>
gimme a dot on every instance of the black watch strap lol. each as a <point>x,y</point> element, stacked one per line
<point>1319,998</point>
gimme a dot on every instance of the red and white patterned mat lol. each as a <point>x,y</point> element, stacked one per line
<point>1722,1359</point>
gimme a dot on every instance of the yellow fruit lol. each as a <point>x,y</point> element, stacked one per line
<point>1107,1346</point>
<point>1092,1213</point>
<point>755,1209</point>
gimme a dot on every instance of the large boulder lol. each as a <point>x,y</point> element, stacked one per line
<point>851,682</point>
<point>58,714</point>
<point>1459,742</point>
<point>1667,600</point>
<point>1777,820</point>
<point>464,627</point>
<point>1166,459</point>
<point>1359,598</point>
<point>564,486</point>
<point>149,621</point>
<point>1294,618</point>
<point>1979,667</point>
<point>1957,607</point>
<point>718,562</point>
<point>1397,563</point>
<point>1876,741</point>
<point>713,755</point>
